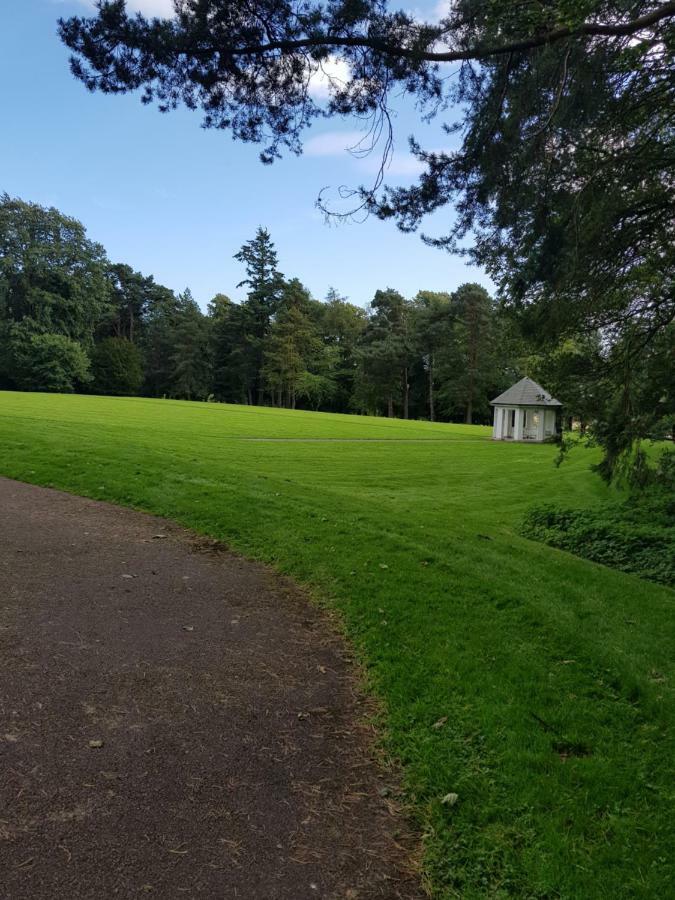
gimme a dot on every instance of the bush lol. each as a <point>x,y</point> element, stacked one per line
<point>48,362</point>
<point>637,536</point>
<point>117,368</point>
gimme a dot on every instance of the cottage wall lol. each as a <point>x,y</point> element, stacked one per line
<point>523,423</point>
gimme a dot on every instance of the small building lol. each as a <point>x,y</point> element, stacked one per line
<point>525,412</point>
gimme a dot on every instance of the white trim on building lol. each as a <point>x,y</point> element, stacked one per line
<point>525,412</point>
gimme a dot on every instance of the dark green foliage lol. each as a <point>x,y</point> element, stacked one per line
<point>385,356</point>
<point>190,352</point>
<point>433,319</point>
<point>159,342</point>
<point>116,367</point>
<point>638,401</point>
<point>341,325</point>
<point>293,349</point>
<point>132,297</point>
<point>265,286</point>
<point>52,278</point>
<point>563,177</point>
<point>279,346</point>
<point>47,362</point>
<point>637,536</point>
<point>573,369</point>
<point>53,295</point>
<point>234,366</point>
<point>469,363</point>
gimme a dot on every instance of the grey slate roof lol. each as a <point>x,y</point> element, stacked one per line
<point>525,393</point>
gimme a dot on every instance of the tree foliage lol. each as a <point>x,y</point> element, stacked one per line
<point>470,360</point>
<point>437,355</point>
<point>190,359</point>
<point>47,362</point>
<point>53,293</point>
<point>52,277</point>
<point>265,287</point>
<point>116,367</point>
<point>563,176</point>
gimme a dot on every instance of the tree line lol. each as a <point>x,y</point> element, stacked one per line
<point>70,320</point>
<point>559,183</point>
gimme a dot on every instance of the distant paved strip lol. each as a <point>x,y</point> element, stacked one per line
<point>268,440</point>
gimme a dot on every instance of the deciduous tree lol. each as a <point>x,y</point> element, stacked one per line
<point>563,176</point>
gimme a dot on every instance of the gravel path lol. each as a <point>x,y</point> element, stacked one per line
<point>176,721</point>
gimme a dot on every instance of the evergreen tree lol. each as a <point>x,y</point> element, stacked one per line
<point>342,325</point>
<point>159,343</point>
<point>470,364</point>
<point>265,286</point>
<point>116,367</point>
<point>191,346</point>
<point>563,175</point>
<point>233,345</point>
<point>432,325</point>
<point>293,348</point>
<point>385,356</point>
<point>573,369</point>
<point>131,297</point>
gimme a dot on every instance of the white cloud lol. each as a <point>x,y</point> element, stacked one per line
<point>332,143</point>
<point>440,10</point>
<point>163,9</point>
<point>400,164</point>
<point>339,143</point>
<point>332,70</point>
<point>430,14</point>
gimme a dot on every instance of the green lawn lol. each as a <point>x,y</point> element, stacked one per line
<point>556,675</point>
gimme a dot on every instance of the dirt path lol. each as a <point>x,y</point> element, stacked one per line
<point>174,721</point>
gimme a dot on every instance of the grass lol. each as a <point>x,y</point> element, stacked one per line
<point>554,675</point>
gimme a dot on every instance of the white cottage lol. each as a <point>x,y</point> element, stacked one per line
<point>526,412</point>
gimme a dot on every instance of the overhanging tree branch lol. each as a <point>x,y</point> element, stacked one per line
<point>554,36</point>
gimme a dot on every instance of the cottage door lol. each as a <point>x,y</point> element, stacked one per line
<point>530,425</point>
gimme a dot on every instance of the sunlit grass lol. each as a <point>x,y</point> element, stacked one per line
<point>554,675</point>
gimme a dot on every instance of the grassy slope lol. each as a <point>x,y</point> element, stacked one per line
<point>550,669</point>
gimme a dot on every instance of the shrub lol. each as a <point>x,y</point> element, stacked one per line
<point>48,362</point>
<point>637,536</point>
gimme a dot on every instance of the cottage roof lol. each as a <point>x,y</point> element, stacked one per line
<point>525,393</point>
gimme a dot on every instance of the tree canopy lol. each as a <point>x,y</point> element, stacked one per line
<point>562,183</point>
<point>52,277</point>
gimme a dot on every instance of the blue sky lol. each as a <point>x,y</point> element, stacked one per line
<point>176,201</point>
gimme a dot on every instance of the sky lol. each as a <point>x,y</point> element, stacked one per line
<point>176,201</point>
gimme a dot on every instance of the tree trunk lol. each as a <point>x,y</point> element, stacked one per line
<point>469,412</point>
<point>390,407</point>
<point>469,402</point>
<point>432,414</point>
<point>406,393</point>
